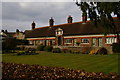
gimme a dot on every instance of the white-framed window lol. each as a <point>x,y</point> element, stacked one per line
<point>111,40</point>
<point>47,42</point>
<point>85,40</point>
<point>41,42</point>
<point>75,40</point>
<point>52,42</point>
<point>68,41</point>
<point>30,42</point>
<point>37,41</point>
<point>100,42</point>
<point>93,41</point>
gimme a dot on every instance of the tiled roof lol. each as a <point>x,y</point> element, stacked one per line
<point>76,28</point>
<point>10,34</point>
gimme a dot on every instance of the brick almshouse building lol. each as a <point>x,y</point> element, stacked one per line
<point>71,34</point>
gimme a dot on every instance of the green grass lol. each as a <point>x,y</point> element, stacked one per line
<point>90,63</point>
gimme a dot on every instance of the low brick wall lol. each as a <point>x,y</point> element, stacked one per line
<point>81,48</point>
<point>27,46</point>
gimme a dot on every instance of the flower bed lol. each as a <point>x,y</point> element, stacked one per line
<point>13,71</point>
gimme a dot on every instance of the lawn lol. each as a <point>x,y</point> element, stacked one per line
<point>90,63</point>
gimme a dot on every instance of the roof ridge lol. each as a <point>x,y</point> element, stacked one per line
<point>61,24</point>
<point>66,24</point>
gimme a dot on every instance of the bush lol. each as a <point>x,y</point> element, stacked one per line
<point>40,47</point>
<point>30,51</point>
<point>75,51</point>
<point>17,48</point>
<point>102,51</point>
<point>27,51</point>
<point>12,51</point>
<point>65,50</point>
<point>9,43</point>
<point>21,53</point>
<point>22,47</point>
<point>23,42</point>
<point>86,50</point>
<point>116,47</point>
<point>48,48</point>
<point>94,51</point>
<point>56,50</point>
<point>78,43</point>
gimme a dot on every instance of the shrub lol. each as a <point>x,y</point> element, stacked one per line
<point>75,51</point>
<point>56,50</point>
<point>23,42</point>
<point>78,43</point>
<point>86,50</point>
<point>102,51</point>
<point>65,50</point>
<point>40,47</point>
<point>30,51</point>
<point>17,48</point>
<point>12,51</point>
<point>70,51</point>
<point>9,43</point>
<point>94,51</point>
<point>22,47</point>
<point>48,48</point>
<point>21,53</point>
<point>116,47</point>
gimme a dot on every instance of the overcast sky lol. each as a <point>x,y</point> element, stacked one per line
<point>20,15</point>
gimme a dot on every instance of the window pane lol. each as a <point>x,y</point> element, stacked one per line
<point>111,40</point>
<point>94,42</point>
<point>99,42</point>
<point>86,40</point>
<point>68,40</point>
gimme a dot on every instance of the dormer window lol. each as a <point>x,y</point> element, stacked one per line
<point>59,32</point>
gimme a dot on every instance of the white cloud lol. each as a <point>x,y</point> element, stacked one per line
<point>38,0</point>
<point>23,5</point>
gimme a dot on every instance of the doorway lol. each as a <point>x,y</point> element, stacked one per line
<point>59,40</point>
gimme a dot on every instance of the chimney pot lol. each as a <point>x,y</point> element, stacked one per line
<point>84,18</point>
<point>51,22</point>
<point>33,25</point>
<point>70,19</point>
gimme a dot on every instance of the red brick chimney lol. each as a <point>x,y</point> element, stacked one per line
<point>69,19</point>
<point>84,19</point>
<point>51,22</point>
<point>33,25</point>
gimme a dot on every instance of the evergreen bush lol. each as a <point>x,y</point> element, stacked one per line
<point>65,50</point>
<point>86,50</point>
<point>102,51</point>
<point>40,47</point>
<point>21,53</point>
<point>116,47</point>
<point>56,50</point>
<point>48,48</point>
